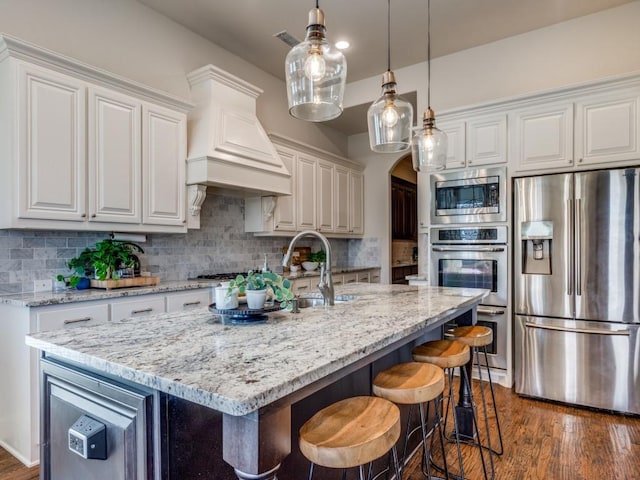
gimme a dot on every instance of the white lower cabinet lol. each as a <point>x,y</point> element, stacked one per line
<point>142,306</point>
<point>304,285</point>
<point>19,401</point>
<point>177,302</point>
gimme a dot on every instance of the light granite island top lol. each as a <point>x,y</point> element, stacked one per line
<point>251,371</point>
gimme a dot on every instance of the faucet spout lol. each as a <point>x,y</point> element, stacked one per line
<point>326,282</point>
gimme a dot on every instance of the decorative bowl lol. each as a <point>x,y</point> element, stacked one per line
<point>309,266</point>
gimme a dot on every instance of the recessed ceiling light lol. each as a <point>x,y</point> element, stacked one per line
<point>342,44</point>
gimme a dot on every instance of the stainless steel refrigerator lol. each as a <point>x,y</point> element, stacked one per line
<point>577,288</point>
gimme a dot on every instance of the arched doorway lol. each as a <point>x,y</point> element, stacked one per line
<point>404,220</point>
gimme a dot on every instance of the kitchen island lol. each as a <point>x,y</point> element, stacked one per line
<point>254,375</point>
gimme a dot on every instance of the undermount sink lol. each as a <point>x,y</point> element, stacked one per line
<point>317,300</point>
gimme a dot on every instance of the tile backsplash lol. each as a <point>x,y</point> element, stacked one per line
<point>220,245</point>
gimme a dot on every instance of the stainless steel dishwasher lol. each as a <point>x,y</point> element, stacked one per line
<point>94,428</point>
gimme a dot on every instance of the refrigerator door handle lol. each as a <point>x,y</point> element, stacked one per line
<point>596,331</point>
<point>568,249</point>
<point>578,230</point>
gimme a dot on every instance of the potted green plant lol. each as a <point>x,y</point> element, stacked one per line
<point>102,261</point>
<point>256,286</point>
<point>320,256</point>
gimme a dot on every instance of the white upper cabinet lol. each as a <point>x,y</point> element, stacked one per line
<point>541,136</point>
<point>51,125</point>
<point>306,193</point>
<point>87,150</point>
<point>607,127</point>
<point>486,140</point>
<point>326,192</point>
<point>163,166</point>
<point>328,196</point>
<point>114,157</point>
<point>456,151</point>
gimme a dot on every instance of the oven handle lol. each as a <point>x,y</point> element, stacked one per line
<point>468,249</point>
<point>493,312</point>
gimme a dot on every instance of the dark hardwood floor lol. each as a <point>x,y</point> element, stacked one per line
<point>542,441</point>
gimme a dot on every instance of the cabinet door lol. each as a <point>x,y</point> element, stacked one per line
<point>374,276</point>
<point>341,205</point>
<point>114,157</point>
<point>363,277</point>
<point>145,305</point>
<point>164,153</point>
<point>70,317</point>
<point>542,136</point>
<point>348,278</point>
<point>356,202</point>
<point>303,285</point>
<point>51,144</point>
<point>178,302</point>
<point>306,193</point>
<point>411,213</point>
<point>423,202</point>
<point>325,203</point>
<point>455,143</point>
<point>284,215</point>
<point>486,139</point>
<point>607,128</point>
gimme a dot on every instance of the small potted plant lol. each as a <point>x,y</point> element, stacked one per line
<point>101,262</point>
<point>256,286</point>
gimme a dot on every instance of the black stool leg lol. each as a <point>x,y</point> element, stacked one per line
<point>484,411</point>
<point>465,378</point>
<point>493,399</point>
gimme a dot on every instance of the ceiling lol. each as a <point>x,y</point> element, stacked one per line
<point>246,28</point>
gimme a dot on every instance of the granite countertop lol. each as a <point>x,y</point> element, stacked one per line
<point>42,299</point>
<point>239,369</point>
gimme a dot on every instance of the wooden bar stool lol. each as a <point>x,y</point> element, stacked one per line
<point>449,354</point>
<point>415,383</point>
<point>351,433</point>
<point>478,337</point>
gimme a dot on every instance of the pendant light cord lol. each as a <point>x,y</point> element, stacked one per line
<point>388,35</point>
<point>317,3</point>
<point>429,53</point>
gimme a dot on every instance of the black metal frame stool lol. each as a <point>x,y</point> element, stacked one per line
<point>449,354</point>
<point>415,383</point>
<point>352,433</point>
<point>478,337</point>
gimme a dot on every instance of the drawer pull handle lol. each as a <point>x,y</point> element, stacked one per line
<point>353,280</point>
<point>303,287</point>
<point>142,310</point>
<point>77,320</point>
<point>190,304</point>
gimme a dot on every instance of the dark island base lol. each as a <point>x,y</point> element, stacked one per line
<point>194,434</point>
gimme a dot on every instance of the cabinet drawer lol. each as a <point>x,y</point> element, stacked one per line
<point>187,301</point>
<point>374,276</point>
<point>348,278</point>
<point>303,285</point>
<point>363,277</point>
<point>71,317</point>
<point>137,308</point>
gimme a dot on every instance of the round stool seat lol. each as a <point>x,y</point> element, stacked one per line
<point>474,336</point>
<point>409,383</point>
<point>443,353</point>
<point>351,432</point>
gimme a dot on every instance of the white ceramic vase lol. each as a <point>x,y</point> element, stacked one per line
<point>256,299</point>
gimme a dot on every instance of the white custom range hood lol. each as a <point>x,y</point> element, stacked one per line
<point>227,145</point>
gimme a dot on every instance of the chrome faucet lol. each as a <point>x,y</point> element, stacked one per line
<point>326,282</point>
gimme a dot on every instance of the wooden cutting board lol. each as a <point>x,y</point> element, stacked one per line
<point>125,282</point>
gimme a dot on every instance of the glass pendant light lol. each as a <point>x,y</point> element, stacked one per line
<point>316,74</point>
<point>429,144</point>
<point>390,116</point>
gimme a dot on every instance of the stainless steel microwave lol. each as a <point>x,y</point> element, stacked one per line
<point>469,196</point>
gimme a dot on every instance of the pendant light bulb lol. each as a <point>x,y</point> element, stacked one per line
<point>314,66</point>
<point>390,117</point>
<point>316,74</point>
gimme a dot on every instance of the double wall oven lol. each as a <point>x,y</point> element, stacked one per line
<point>469,244</point>
<point>477,257</point>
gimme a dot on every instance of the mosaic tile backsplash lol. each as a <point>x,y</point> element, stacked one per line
<point>219,246</point>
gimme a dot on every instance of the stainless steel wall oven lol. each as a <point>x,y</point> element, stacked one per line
<point>476,257</point>
<point>470,196</point>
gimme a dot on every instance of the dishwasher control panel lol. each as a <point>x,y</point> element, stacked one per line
<point>88,438</point>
